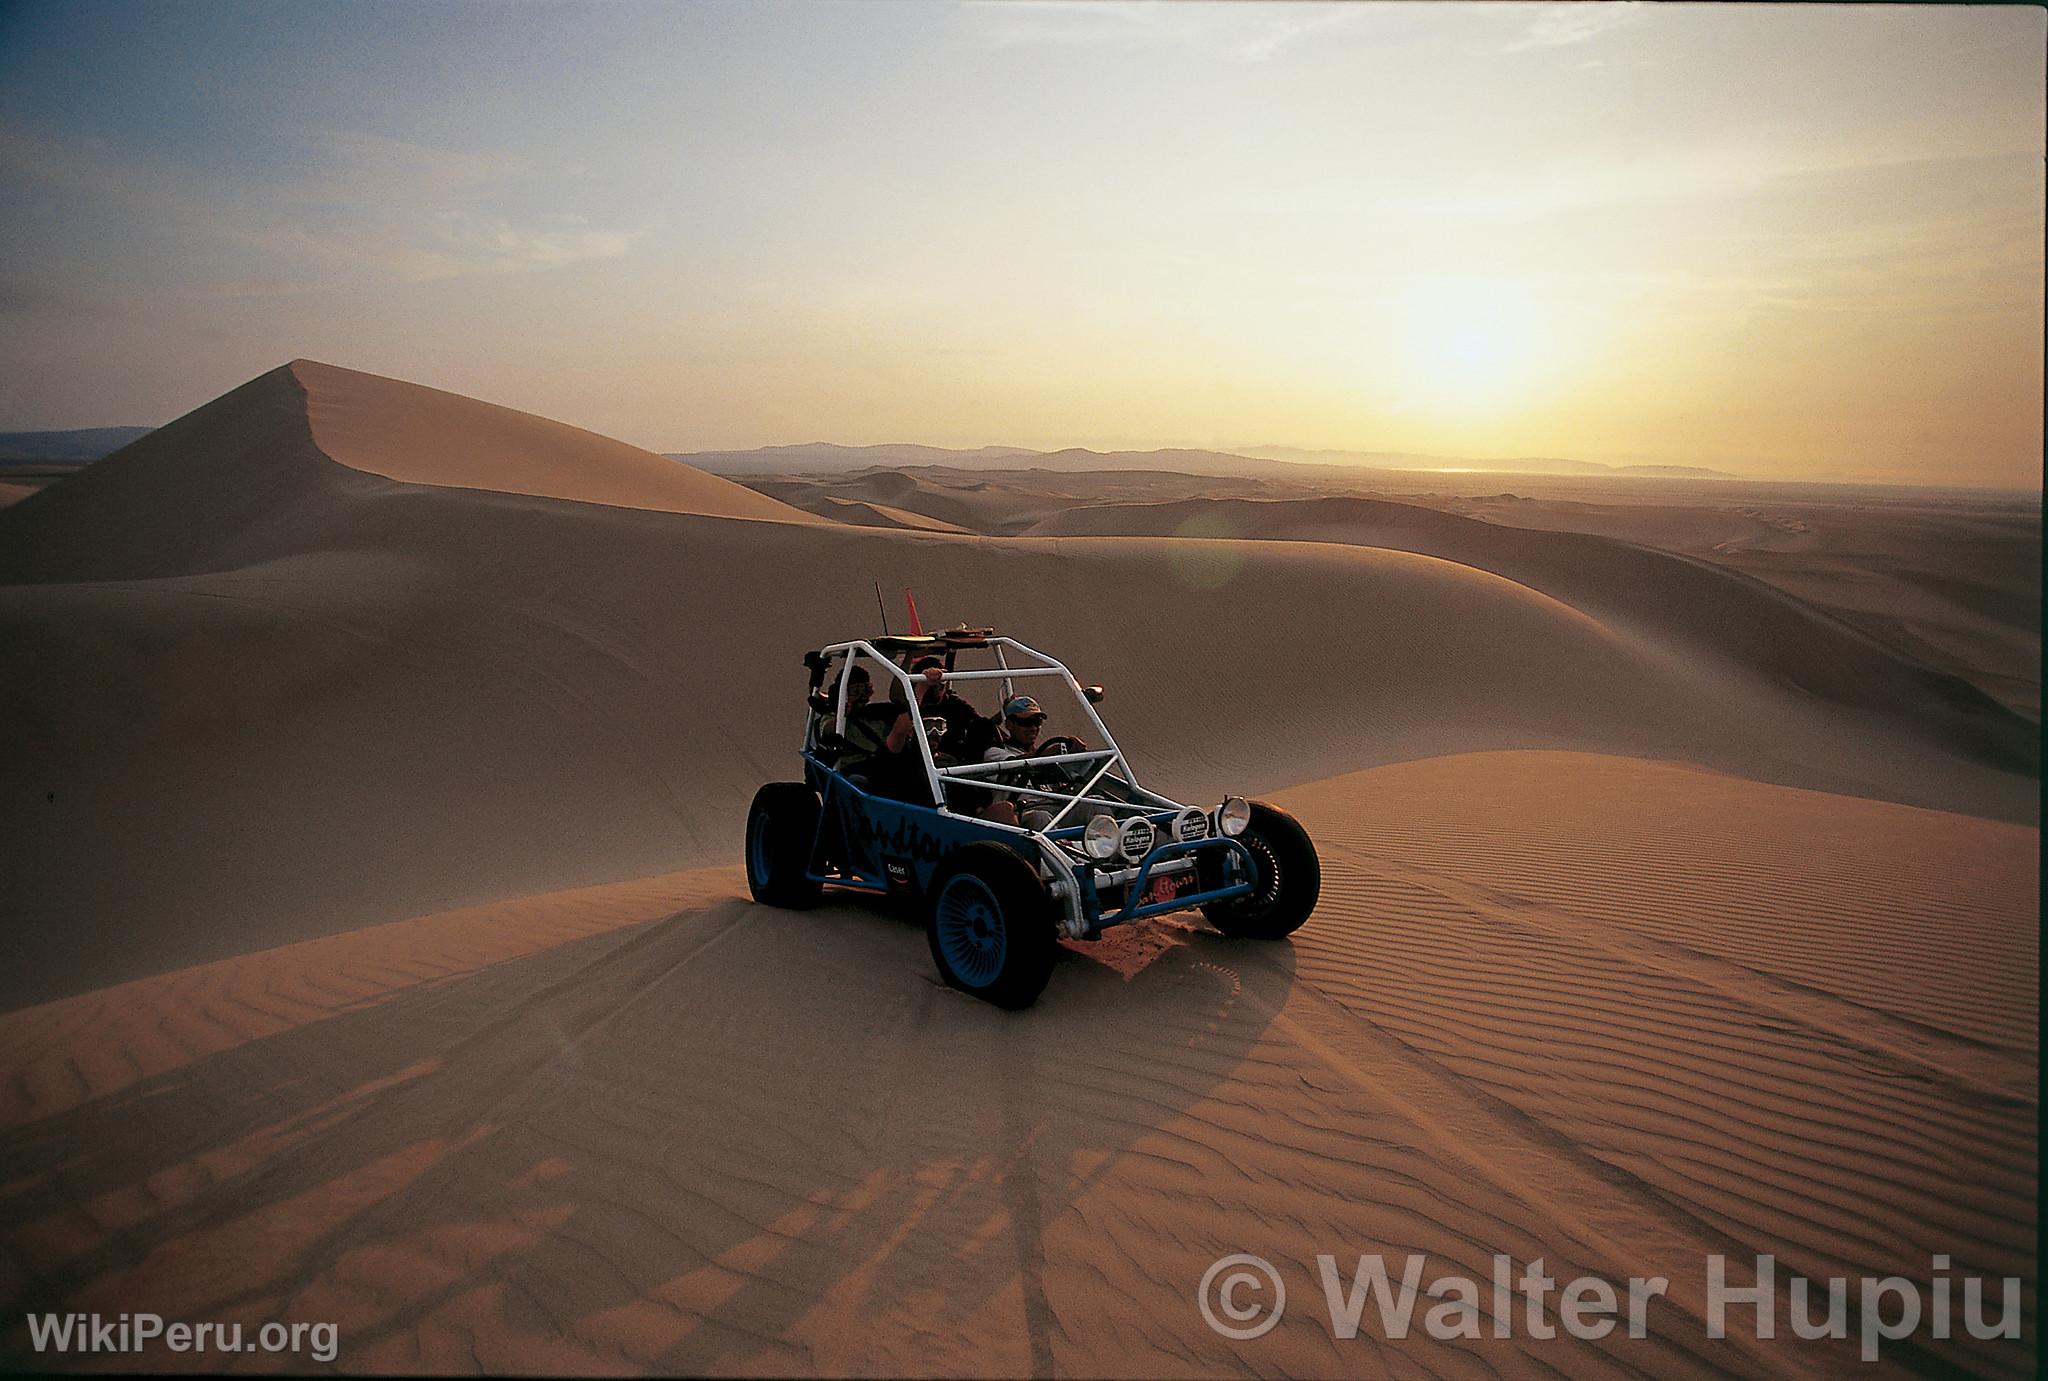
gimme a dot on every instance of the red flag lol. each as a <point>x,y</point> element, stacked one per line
<point>916,628</point>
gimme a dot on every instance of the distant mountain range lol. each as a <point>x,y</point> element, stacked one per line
<point>66,448</point>
<point>1518,465</point>
<point>823,457</point>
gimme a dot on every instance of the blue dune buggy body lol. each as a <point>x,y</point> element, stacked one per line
<point>897,847</point>
<point>1089,848</point>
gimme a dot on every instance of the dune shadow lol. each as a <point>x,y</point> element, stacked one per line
<point>693,1144</point>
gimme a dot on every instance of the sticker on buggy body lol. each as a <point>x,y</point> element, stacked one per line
<point>909,840</point>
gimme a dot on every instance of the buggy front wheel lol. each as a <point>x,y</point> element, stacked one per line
<point>989,921</point>
<point>1287,879</point>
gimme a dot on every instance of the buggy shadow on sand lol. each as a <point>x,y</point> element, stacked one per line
<point>1092,848</point>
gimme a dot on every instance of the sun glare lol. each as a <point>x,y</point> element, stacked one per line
<point>1472,343</point>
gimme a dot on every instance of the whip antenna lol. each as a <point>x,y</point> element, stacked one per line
<point>883,607</point>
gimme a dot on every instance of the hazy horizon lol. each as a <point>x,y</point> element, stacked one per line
<point>1798,243</point>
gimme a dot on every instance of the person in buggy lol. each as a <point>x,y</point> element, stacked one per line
<point>897,769</point>
<point>1014,733</point>
<point>958,733</point>
<point>863,747</point>
<point>963,723</point>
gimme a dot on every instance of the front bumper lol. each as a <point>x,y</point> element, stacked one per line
<point>1175,856</point>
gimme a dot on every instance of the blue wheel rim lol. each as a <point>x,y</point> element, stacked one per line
<point>759,852</point>
<point>968,922</point>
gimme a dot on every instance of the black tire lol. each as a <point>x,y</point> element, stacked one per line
<point>989,922</point>
<point>780,827</point>
<point>1288,879</point>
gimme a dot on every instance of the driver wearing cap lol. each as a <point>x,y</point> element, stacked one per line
<point>1017,732</point>
<point>1015,736</point>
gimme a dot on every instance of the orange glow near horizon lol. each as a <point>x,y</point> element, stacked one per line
<point>1799,242</point>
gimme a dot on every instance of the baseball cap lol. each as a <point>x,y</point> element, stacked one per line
<point>1023,707</point>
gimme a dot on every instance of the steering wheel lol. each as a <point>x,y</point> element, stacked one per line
<point>1069,772</point>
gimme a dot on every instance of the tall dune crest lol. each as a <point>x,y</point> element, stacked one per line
<point>203,492</point>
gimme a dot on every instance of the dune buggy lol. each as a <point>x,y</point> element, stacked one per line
<point>1090,848</point>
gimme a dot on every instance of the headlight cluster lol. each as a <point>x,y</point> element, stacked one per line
<point>1104,838</point>
<point>1233,815</point>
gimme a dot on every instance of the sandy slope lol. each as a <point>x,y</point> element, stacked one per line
<point>538,695</point>
<point>1666,598</point>
<point>863,514</point>
<point>535,1136</point>
<point>1002,502</point>
<point>1951,579</point>
<point>303,757</point>
<point>424,436</point>
<point>268,465</point>
<point>321,700</point>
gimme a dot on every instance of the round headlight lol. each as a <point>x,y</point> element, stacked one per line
<point>1190,824</point>
<point>1099,839</point>
<point>1136,838</point>
<point>1233,815</point>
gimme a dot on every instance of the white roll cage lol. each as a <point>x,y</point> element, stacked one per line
<point>1057,863</point>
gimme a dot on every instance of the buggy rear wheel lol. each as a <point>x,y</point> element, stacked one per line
<point>781,826</point>
<point>1287,879</point>
<point>989,922</point>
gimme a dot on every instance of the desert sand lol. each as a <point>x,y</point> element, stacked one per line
<point>1950,578</point>
<point>377,760</point>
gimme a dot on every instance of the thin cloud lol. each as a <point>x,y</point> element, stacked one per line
<point>1561,26</point>
<point>359,207</point>
<point>347,166</point>
<point>493,244</point>
<point>452,244</point>
<point>24,297</point>
<point>1241,33</point>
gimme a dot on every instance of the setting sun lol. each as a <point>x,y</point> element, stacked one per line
<point>1472,344</point>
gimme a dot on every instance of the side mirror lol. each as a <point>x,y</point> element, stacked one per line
<point>1093,694</point>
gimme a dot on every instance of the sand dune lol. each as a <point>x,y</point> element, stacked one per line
<point>1686,603</point>
<point>960,504</point>
<point>1953,581</point>
<point>370,699</point>
<point>262,467</point>
<point>862,514</point>
<point>331,741</point>
<point>424,436</point>
<point>1949,579</point>
<point>542,695</point>
<point>535,1136</point>
<point>999,502</point>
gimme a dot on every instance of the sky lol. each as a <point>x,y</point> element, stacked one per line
<point>1797,241</point>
